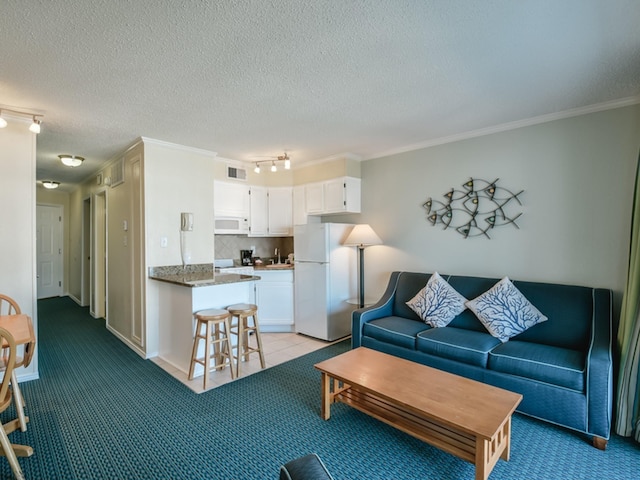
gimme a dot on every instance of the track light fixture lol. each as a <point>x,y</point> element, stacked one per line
<point>35,125</point>
<point>50,184</point>
<point>274,168</point>
<point>71,160</point>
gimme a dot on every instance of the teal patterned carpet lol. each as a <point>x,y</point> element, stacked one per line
<point>99,411</point>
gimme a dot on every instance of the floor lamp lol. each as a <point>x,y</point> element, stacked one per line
<point>362,236</point>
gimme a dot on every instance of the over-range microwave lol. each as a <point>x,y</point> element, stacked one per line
<point>231,225</point>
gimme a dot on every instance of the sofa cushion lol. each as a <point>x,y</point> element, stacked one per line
<point>544,363</point>
<point>437,303</point>
<point>505,311</point>
<point>465,346</point>
<point>395,330</point>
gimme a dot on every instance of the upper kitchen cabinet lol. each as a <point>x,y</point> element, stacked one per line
<point>281,211</point>
<point>231,199</point>
<point>299,205</point>
<point>271,212</point>
<point>339,195</point>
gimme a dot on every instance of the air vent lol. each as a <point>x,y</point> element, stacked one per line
<point>237,173</point>
<point>117,173</point>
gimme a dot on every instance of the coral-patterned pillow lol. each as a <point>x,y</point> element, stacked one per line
<point>504,310</point>
<point>438,302</point>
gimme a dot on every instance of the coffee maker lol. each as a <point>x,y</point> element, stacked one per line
<point>246,257</point>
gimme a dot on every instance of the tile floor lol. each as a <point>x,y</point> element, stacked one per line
<point>278,348</point>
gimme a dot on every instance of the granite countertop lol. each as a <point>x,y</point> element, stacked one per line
<point>202,275</point>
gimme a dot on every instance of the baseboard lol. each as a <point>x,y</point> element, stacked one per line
<point>127,342</point>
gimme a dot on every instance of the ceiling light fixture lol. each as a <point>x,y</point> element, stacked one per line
<point>50,184</point>
<point>71,160</point>
<point>274,167</point>
<point>35,125</point>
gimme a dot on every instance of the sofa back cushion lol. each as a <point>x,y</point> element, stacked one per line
<point>409,284</point>
<point>568,307</point>
<point>570,312</point>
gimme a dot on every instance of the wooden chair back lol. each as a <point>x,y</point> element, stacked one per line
<point>8,306</point>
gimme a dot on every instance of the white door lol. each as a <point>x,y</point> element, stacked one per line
<point>49,250</point>
<point>99,256</point>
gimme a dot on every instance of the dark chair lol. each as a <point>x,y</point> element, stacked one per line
<point>309,467</point>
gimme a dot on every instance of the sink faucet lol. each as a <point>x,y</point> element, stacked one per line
<point>277,254</point>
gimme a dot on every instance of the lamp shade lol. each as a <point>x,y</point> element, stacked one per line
<point>362,236</point>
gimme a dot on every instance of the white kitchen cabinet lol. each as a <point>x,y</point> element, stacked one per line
<point>280,211</point>
<point>259,218</point>
<point>274,297</point>
<point>299,206</point>
<point>314,198</point>
<point>339,195</point>
<point>230,199</point>
<point>271,212</point>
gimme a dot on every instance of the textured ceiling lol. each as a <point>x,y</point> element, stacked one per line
<point>314,78</point>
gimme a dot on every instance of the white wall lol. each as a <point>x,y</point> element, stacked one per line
<point>577,174</point>
<point>176,179</point>
<point>17,222</point>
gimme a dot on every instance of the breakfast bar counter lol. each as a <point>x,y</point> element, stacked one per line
<point>180,292</point>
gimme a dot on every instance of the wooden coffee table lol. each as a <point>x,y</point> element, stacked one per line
<point>463,417</point>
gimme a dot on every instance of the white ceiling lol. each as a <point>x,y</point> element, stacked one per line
<point>315,78</point>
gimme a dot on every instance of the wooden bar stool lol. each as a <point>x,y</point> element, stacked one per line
<point>241,328</point>
<point>217,333</point>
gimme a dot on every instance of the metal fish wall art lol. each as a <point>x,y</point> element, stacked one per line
<point>479,207</point>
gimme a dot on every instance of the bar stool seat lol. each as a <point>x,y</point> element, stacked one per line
<point>217,333</point>
<point>242,328</point>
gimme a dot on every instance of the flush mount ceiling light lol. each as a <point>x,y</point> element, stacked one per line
<point>35,125</point>
<point>274,168</point>
<point>50,184</point>
<point>71,160</point>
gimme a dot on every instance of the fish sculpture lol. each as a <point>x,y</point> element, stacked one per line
<point>476,209</point>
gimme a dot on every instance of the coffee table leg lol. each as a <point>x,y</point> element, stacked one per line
<point>326,396</point>
<point>506,453</point>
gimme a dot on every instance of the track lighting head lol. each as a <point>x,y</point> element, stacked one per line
<point>273,166</point>
<point>3,122</point>
<point>35,126</point>
<point>257,169</point>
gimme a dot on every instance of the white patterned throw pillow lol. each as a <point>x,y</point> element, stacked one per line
<point>438,302</point>
<point>504,311</point>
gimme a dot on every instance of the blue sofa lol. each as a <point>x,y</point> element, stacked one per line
<point>562,367</point>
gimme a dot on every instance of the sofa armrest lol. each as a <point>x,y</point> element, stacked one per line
<point>600,366</point>
<point>383,308</point>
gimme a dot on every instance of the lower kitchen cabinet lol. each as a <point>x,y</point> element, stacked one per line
<point>274,297</point>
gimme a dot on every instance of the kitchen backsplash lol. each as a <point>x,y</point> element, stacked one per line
<point>229,246</point>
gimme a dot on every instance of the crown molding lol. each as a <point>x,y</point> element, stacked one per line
<point>175,146</point>
<point>574,112</point>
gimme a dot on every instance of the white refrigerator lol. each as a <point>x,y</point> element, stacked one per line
<point>325,280</point>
